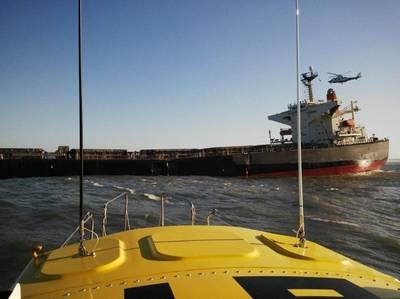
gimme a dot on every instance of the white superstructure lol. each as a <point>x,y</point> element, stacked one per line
<point>322,122</point>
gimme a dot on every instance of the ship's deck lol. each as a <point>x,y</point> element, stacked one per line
<point>202,262</point>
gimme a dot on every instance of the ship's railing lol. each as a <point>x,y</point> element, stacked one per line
<point>359,141</point>
<point>87,218</point>
<point>294,106</point>
<point>215,213</point>
<point>125,197</point>
<point>90,218</point>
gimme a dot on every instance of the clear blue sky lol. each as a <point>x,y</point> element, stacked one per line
<point>170,74</point>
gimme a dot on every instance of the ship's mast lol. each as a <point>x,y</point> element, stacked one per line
<point>301,230</point>
<point>307,81</point>
<point>82,249</point>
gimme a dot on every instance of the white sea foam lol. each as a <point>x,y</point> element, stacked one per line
<point>333,221</point>
<point>365,173</point>
<point>152,196</point>
<point>332,189</point>
<point>131,191</point>
<point>385,171</point>
<point>69,179</point>
<point>156,198</point>
<point>97,184</point>
<point>119,187</point>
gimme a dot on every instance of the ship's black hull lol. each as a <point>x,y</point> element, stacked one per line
<point>317,161</point>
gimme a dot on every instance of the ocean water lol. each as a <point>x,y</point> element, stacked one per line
<point>356,215</point>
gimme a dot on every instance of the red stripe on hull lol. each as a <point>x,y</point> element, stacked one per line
<point>361,166</point>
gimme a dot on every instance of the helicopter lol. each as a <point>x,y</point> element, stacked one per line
<point>339,78</point>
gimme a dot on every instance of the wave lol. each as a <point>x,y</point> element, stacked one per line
<point>332,189</point>
<point>152,196</point>
<point>93,183</point>
<point>155,197</point>
<point>333,221</point>
<point>365,173</point>
<point>388,171</point>
<point>131,191</point>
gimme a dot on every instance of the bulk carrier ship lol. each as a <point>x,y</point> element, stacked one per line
<point>333,144</point>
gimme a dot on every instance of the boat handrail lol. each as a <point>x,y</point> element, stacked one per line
<point>215,213</point>
<point>88,217</point>
<point>162,211</point>
<point>162,218</point>
<point>127,225</point>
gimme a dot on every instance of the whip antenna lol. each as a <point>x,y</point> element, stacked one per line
<point>301,230</point>
<point>82,249</point>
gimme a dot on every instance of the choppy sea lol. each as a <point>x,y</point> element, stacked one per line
<point>356,215</point>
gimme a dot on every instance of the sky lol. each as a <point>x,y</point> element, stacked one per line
<point>183,74</point>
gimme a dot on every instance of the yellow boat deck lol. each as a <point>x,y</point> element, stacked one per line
<point>202,262</point>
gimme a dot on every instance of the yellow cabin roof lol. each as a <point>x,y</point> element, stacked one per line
<point>202,262</point>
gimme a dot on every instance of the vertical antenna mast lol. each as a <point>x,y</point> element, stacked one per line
<point>82,249</point>
<point>301,230</point>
